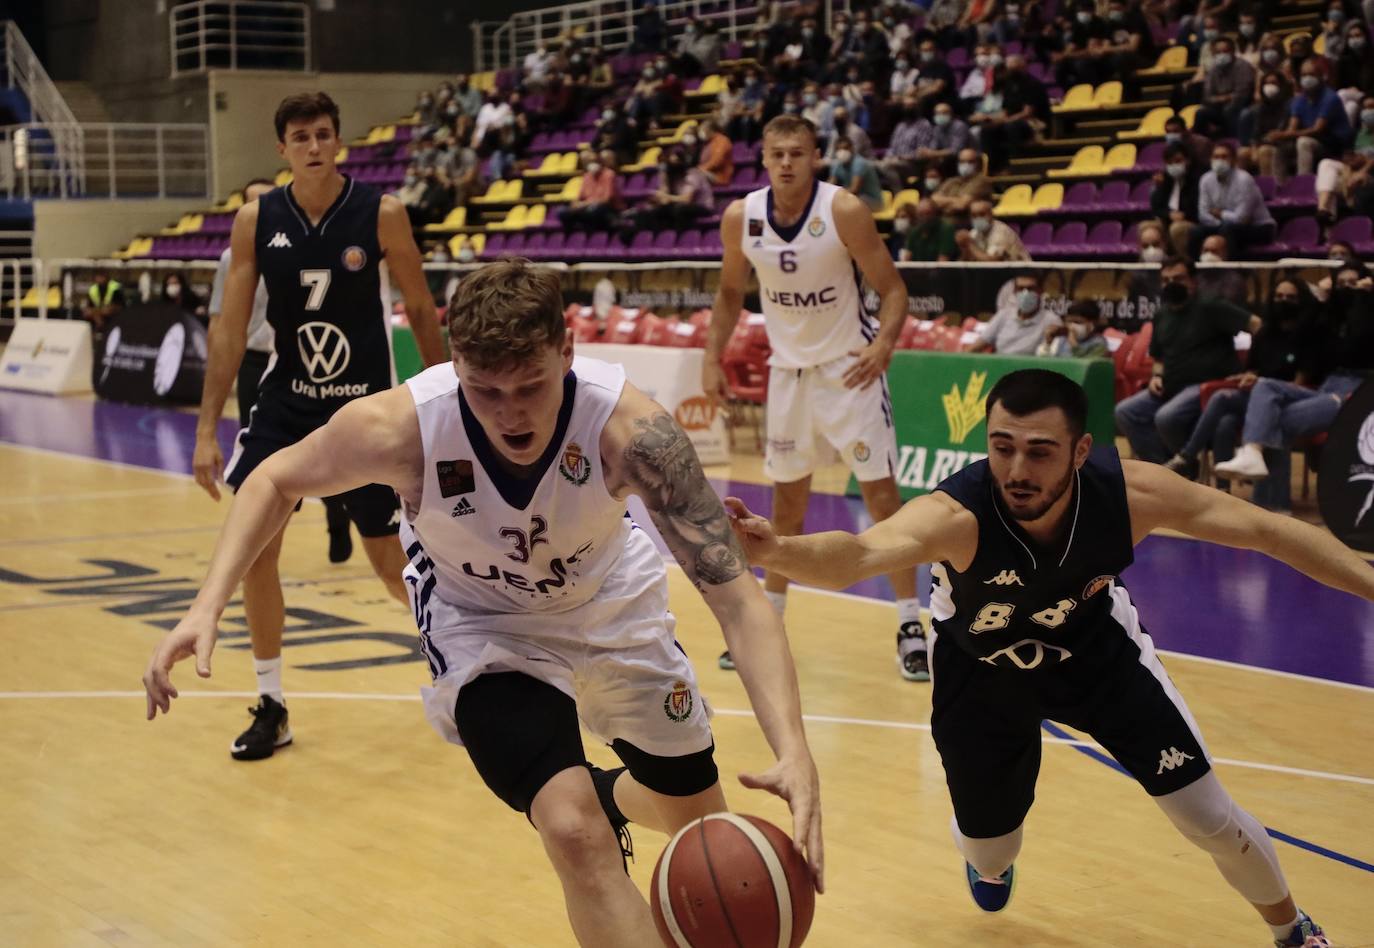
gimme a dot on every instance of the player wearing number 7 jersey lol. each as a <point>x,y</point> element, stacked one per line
<point>1031,622</point>
<point>324,246</point>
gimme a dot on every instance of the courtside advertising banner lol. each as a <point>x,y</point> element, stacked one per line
<point>152,353</point>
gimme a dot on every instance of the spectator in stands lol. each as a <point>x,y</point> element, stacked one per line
<point>650,30</point>
<point>683,195</point>
<point>1201,50</point>
<point>904,76</point>
<point>465,178</point>
<point>601,79</point>
<point>1333,31</point>
<point>536,66</point>
<point>931,238</point>
<point>956,195</point>
<point>1081,60</point>
<point>942,20</point>
<point>1223,283</point>
<point>1249,34</point>
<point>978,82</point>
<point>716,157</point>
<point>433,200</point>
<point>1079,336</point>
<point>747,125</point>
<point>1199,146</point>
<point>1150,236</point>
<point>598,197</point>
<point>1317,125</point>
<point>815,109</point>
<point>176,292</point>
<point>468,97</point>
<point>103,299</point>
<point>495,112</point>
<point>557,109</point>
<point>426,114</point>
<point>1268,113</point>
<point>937,82</point>
<point>1299,51</point>
<point>941,138</point>
<point>1174,197</point>
<point>856,174</point>
<point>848,132</point>
<point>1020,328</point>
<point>1130,45</point>
<point>903,220</point>
<point>987,239</point>
<point>1348,180</point>
<point>617,131</point>
<point>1276,351</point>
<point>900,161</point>
<point>1228,88</point>
<point>1283,413</point>
<point>1024,110</point>
<point>698,51</point>
<point>1273,57</point>
<point>864,46</point>
<point>1230,204</point>
<point>1353,77</point>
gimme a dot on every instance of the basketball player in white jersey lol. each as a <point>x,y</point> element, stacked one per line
<point>538,600</point>
<point>807,241</point>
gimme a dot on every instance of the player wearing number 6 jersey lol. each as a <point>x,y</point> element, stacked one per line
<point>1031,622</point>
<point>812,244</point>
<point>324,246</point>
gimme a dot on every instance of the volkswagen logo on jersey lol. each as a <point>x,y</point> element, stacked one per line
<point>324,350</point>
<point>354,258</point>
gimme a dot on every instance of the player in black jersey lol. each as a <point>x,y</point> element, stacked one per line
<point>319,244</point>
<point>1031,623</point>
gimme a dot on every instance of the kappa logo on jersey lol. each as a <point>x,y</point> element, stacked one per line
<point>816,228</point>
<point>678,704</point>
<point>964,410</point>
<point>1096,586</point>
<point>324,350</point>
<point>1027,654</point>
<point>395,520</point>
<point>463,508</point>
<point>354,258</point>
<point>756,228</point>
<point>279,240</point>
<point>575,467</point>
<point>1007,577</point>
<point>455,477</point>
<point>1171,758</point>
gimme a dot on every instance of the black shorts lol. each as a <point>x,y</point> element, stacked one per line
<point>986,725</point>
<point>374,509</point>
<point>251,369</point>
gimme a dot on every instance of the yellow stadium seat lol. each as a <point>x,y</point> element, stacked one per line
<point>1048,197</point>
<point>342,156</point>
<point>1170,60</point>
<point>535,218</point>
<point>569,163</point>
<point>1121,156</point>
<point>456,219</point>
<point>907,196</point>
<point>686,126</point>
<point>1077,99</point>
<point>1107,94</point>
<point>1319,44</point>
<point>1015,200</point>
<point>1188,113</point>
<point>388,133</point>
<point>500,191</point>
<point>194,224</point>
<point>887,211</point>
<point>711,85</point>
<point>514,220</point>
<point>482,81</point>
<point>283,178</point>
<point>548,166</point>
<point>1087,162</point>
<point>141,247</point>
<point>514,190</point>
<point>1152,125</point>
<point>647,160</point>
<point>30,300</point>
<point>477,242</point>
<point>571,189</point>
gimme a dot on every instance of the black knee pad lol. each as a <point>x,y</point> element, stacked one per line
<point>519,732</point>
<point>670,776</point>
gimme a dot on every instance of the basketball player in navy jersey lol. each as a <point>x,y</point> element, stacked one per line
<point>1031,623</point>
<point>319,245</point>
<point>808,241</point>
<point>538,600</point>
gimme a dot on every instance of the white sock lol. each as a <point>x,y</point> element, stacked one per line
<point>909,611</point>
<point>1281,932</point>
<point>777,600</point>
<point>269,677</point>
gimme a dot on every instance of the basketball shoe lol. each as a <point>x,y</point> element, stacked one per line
<point>914,664</point>
<point>604,781</point>
<point>270,729</point>
<point>992,895</point>
<point>726,662</point>
<point>1305,934</point>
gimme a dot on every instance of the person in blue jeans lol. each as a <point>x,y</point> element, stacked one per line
<point>1193,342</point>
<point>1283,413</point>
<point>1276,352</point>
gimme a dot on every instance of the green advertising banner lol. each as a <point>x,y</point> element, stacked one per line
<point>937,401</point>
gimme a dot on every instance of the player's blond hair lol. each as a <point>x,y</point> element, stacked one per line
<point>505,313</point>
<point>785,125</point>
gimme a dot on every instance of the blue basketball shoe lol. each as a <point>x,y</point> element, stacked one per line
<point>1305,934</point>
<point>991,895</point>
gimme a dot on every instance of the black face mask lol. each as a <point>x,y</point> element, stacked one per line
<point>1174,294</point>
<point>1284,312</point>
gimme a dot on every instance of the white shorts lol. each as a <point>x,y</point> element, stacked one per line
<point>810,408</point>
<point>615,656</point>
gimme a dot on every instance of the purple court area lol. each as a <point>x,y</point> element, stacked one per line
<point>1204,600</point>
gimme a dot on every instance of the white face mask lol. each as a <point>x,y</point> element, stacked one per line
<point>1221,168</point>
<point>1080,331</point>
<point>1176,170</point>
<point>1271,92</point>
<point>465,255</point>
<point>843,156</point>
<point>173,290</point>
<point>967,168</point>
<point>901,225</point>
<point>1309,83</point>
<point>1222,59</point>
<point>593,167</point>
<point>1027,301</point>
<point>943,118</point>
<point>982,224</point>
<point>1209,257</point>
<point>1151,254</point>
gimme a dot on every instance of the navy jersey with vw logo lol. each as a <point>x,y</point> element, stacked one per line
<point>326,288</point>
<point>1023,606</point>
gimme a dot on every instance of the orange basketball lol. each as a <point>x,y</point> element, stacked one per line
<point>732,881</point>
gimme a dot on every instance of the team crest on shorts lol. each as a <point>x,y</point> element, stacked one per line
<point>1096,586</point>
<point>678,704</point>
<point>861,452</point>
<point>575,467</point>
<point>354,258</point>
<point>816,227</point>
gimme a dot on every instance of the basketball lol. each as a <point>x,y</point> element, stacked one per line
<point>732,881</point>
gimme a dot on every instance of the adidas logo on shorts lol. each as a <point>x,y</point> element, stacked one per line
<point>279,240</point>
<point>463,508</point>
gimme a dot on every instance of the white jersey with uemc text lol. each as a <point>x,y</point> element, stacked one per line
<point>808,283</point>
<point>488,543</point>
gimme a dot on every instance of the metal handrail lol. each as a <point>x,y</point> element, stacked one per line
<point>239,34</point>
<point>24,72</point>
<point>104,159</point>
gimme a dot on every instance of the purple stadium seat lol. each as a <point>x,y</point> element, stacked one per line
<point>596,245</point>
<point>1012,48</point>
<point>575,247</point>
<point>515,245</point>
<point>539,144</point>
<point>1149,159</point>
<point>495,245</point>
<point>1267,185</point>
<point>742,153</point>
<point>638,185</point>
<point>1297,236</point>
<point>1130,241</point>
<point>1070,240</point>
<point>1038,234</point>
<point>1104,240</point>
<point>1299,191</point>
<point>691,245</point>
<point>1352,230</point>
<point>1079,194</point>
<point>663,247</point>
<point>553,246</point>
<point>1014,225</point>
<point>552,217</point>
<point>1115,197</point>
<point>641,245</point>
<point>1139,201</point>
<point>957,58</point>
<point>732,50</point>
<point>1039,70</point>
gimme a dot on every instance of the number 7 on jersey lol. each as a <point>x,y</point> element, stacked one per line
<point>318,281</point>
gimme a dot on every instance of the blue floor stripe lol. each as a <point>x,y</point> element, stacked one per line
<point>1281,836</point>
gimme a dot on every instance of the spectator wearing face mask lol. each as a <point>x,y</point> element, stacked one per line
<point>1020,328</point>
<point>1173,199</point>
<point>698,51</point>
<point>493,114</point>
<point>1079,336</point>
<point>650,30</point>
<point>900,162</point>
<point>1230,204</point>
<point>1317,125</point>
<point>979,79</point>
<point>1192,343</point>
<point>956,195</point>
<point>936,83</point>
<point>1268,113</point>
<point>1353,75</point>
<point>598,196</point>
<point>1223,283</point>
<point>814,55</point>
<point>683,195</point>
<point>816,108</point>
<point>747,126</point>
<point>904,77</point>
<point>1228,88</point>
<point>903,220</point>
<point>987,239</point>
<point>1025,111</point>
<point>1249,34</point>
<point>1333,30</point>
<point>857,175</point>
<point>468,97</point>
<point>1348,180</point>
<point>848,132</point>
<point>426,113</point>
<point>1199,146</point>
<point>1151,242</point>
<point>1130,44</point>
<point>931,237</point>
<point>716,157</point>
<point>176,293</point>
<point>942,137</point>
<point>1282,413</point>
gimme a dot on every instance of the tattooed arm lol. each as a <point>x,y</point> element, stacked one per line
<point>645,452</point>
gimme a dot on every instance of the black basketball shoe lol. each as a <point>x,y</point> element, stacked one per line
<point>914,661</point>
<point>604,781</point>
<point>270,729</point>
<point>340,539</point>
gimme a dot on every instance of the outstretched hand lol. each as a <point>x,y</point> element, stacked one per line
<point>193,635</point>
<point>755,533</point>
<point>796,781</point>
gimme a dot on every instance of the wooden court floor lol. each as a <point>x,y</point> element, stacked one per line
<point>372,831</point>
